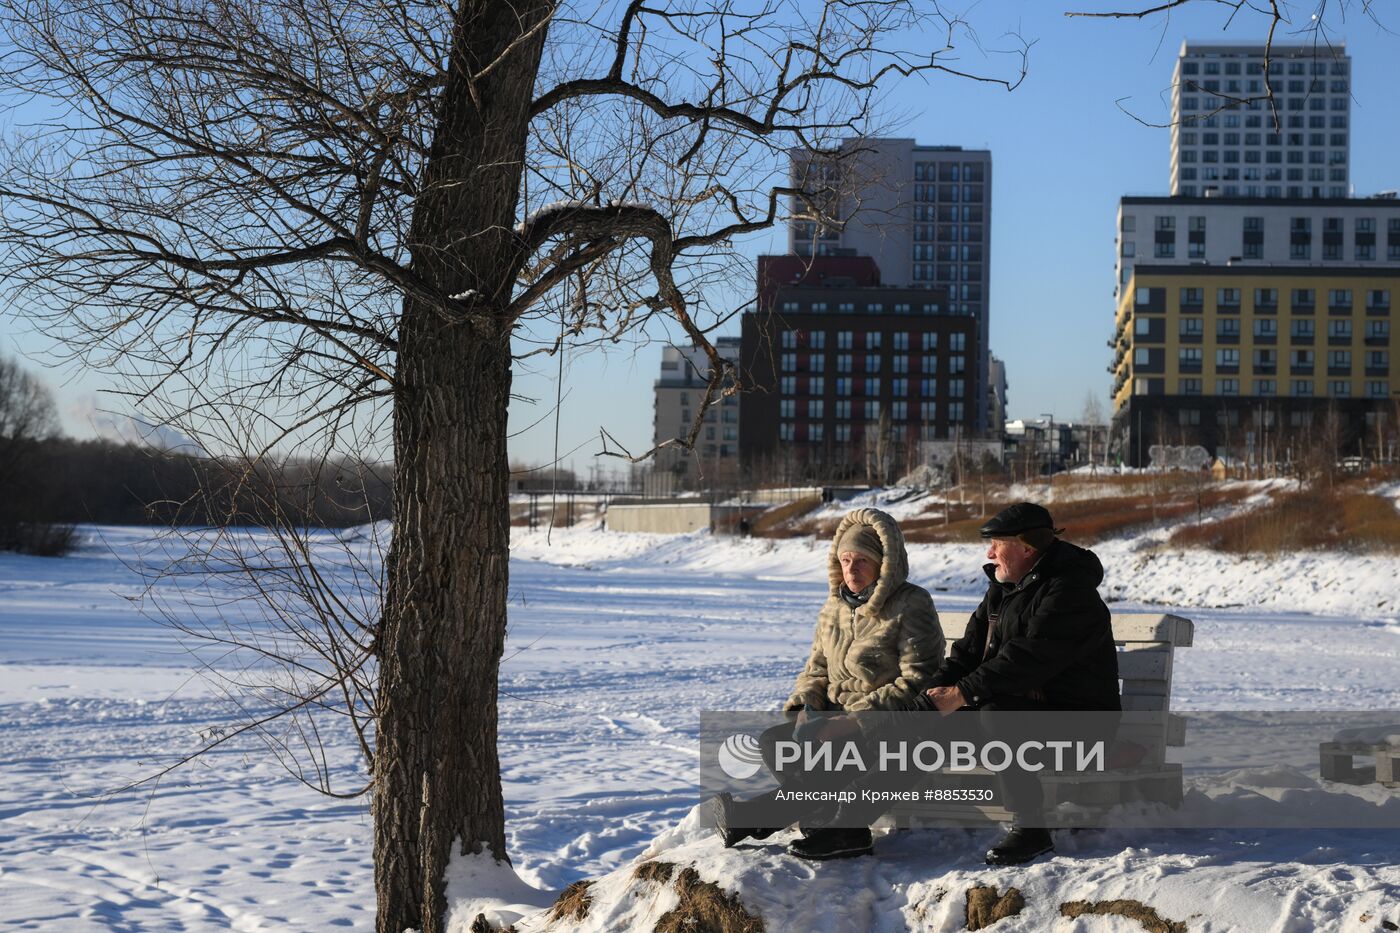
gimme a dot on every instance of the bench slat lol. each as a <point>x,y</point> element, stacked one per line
<point>1127,627</point>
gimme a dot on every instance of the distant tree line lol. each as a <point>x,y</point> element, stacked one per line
<point>49,483</point>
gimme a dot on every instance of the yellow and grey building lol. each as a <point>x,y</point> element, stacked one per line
<point>1259,358</point>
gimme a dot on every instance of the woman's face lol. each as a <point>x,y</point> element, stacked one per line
<point>858,571</point>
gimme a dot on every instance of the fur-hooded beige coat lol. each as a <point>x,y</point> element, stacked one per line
<point>882,654</point>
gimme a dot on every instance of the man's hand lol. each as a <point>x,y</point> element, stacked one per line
<point>947,699</point>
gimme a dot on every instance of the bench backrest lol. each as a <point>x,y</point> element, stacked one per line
<point>1145,645</point>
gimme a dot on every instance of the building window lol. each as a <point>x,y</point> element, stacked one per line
<point>843,362</point>
<point>1378,300</point>
<point>899,387</point>
<point>1377,330</point>
<point>1227,358</point>
<point>786,431</point>
<point>1303,329</point>
<point>816,385</point>
<point>1164,250</point>
<point>928,411</point>
<point>1266,328</point>
<point>1228,328</point>
<point>1339,330</point>
<point>1129,223</point>
<point>957,343</point>
<point>900,364</point>
<point>872,363</point>
<point>1302,388</point>
<point>787,385</point>
<point>901,339</point>
<point>1339,361</point>
<point>1378,389</point>
<point>1227,387</point>
<point>789,362</point>
<point>1304,299</point>
<point>957,365</point>
<point>872,386</point>
<point>843,340</point>
<point>1339,298</point>
<point>1190,387</point>
<point>899,411</point>
<point>1189,359</point>
<point>1339,388</point>
<point>1266,387</point>
<point>1227,298</point>
<point>789,339</point>
<point>816,362</point>
<point>955,412</point>
<point>872,410</point>
<point>1193,297</point>
<point>816,432</point>
<point>1188,417</point>
<point>1266,298</point>
<point>930,341</point>
<point>872,339</point>
<point>875,308</point>
<point>814,408</point>
<point>843,386</point>
<point>928,388</point>
<point>1192,327</point>
<point>817,340</point>
<point>842,433</point>
<point>787,408</point>
<point>843,410</point>
<point>955,388</point>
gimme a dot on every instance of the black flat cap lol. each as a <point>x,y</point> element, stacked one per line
<point>1016,519</point>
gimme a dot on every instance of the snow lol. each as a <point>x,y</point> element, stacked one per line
<point>615,643</point>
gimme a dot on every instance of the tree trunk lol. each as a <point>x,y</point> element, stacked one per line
<point>437,784</point>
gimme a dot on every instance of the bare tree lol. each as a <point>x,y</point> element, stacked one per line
<point>27,415</point>
<point>331,225</point>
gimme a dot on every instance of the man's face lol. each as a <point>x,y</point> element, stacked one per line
<point>858,571</point>
<point>1012,559</point>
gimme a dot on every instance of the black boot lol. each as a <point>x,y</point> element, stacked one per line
<point>1020,846</point>
<point>728,820</point>
<point>822,844</point>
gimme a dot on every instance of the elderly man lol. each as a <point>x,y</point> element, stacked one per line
<point>1040,640</point>
<point>877,643</point>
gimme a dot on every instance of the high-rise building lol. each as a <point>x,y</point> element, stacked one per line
<point>679,391</point>
<point>1225,140</point>
<point>848,374</point>
<point>923,213</point>
<point>1257,329</point>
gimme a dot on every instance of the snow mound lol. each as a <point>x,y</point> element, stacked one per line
<point>922,880</point>
<point>479,885</point>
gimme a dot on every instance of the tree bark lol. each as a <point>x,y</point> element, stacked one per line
<point>437,777</point>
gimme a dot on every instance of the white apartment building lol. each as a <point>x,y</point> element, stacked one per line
<point>679,390</point>
<point>1360,232</point>
<point>1224,137</point>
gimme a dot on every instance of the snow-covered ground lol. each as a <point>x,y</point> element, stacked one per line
<point>615,644</point>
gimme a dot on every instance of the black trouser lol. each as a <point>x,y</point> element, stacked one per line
<point>770,810</point>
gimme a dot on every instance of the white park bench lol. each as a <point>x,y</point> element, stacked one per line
<point>1146,645</point>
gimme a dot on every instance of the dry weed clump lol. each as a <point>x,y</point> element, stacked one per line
<point>986,907</point>
<point>573,904</point>
<point>1151,921</point>
<point>654,872</point>
<point>703,906</point>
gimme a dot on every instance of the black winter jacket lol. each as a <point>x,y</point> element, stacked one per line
<point>1052,635</point>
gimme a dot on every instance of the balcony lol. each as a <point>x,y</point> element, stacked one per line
<point>1377,310</point>
<point>1189,338</point>
<point>1265,370</point>
<point>1339,310</point>
<point>1372,341</point>
<point>1221,370</point>
<point>1227,338</point>
<point>1266,339</point>
<point>1301,340</point>
<point>1305,309</point>
<point>1300,370</point>
<point>1266,309</point>
<point>1188,368</point>
<point>1339,370</point>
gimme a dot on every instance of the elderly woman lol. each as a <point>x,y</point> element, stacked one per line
<point>876,647</point>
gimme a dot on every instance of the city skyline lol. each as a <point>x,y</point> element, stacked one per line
<point>1068,144</point>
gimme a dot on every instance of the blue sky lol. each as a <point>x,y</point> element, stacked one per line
<point>1063,152</point>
